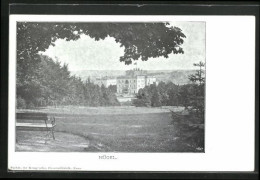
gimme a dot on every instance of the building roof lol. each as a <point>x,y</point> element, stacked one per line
<point>134,77</point>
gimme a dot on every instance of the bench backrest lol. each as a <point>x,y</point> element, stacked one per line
<point>32,116</point>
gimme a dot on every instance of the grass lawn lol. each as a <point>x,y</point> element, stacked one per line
<point>108,129</point>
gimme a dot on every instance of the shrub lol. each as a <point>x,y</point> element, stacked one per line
<point>140,103</point>
<point>127,103</point>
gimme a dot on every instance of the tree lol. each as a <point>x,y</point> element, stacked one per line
<point>140,40</point>
<point>199,75</point>
<point>197,99</point>
<point>143,98</point>
<point>112,88</point>
<point>173,93</point>
<point>52,84</point>
<point>184,95</point>
<point>155,100</point>
<point>162,90</point>
<point>155,96</point>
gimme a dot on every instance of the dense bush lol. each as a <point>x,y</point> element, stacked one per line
<point>169,94</point>
<point>191,96</point>
<point>140,103</point>
<point>127,103</point>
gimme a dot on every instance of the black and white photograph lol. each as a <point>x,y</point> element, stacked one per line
<point>110,86</point>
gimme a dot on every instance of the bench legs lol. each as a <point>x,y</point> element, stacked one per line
<point>52,131</point>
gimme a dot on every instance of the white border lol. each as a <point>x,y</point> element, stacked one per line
<point>230,86</point>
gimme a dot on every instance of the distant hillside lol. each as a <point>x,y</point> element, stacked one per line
<point>93,74</point>
<point>175,76</point>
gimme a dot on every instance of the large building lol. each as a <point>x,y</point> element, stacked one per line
<point>130,83</point>
<point>133,81</point>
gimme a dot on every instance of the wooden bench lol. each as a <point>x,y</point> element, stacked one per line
<point>35,122</point>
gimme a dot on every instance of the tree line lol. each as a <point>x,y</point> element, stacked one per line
<point>46,82</point>
<point>191,96</point>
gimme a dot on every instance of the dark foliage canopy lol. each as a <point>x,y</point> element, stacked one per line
<point>140,40</point>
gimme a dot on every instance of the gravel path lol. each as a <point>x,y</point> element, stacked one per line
<point>39,141</point>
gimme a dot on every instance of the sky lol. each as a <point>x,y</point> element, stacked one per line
<point>88,54</point>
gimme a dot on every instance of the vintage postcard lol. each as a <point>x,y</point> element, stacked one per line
<point>102,89</point>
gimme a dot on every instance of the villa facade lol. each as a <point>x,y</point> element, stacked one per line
<point>132,84</point>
